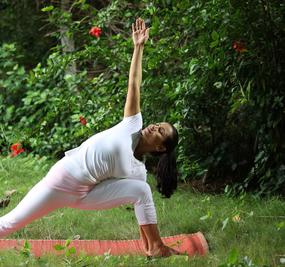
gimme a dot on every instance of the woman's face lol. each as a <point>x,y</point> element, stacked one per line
<point>155,135</point>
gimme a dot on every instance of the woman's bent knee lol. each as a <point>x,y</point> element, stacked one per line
<point>142,191</point>
<point>144,206</point>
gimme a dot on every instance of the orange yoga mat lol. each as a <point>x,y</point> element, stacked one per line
<point>191,244</point>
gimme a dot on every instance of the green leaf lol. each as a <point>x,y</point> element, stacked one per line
<point>214,44</point>
<point>233,256</point>
<point>47,8</point>
<point>207,216</point>
<point>72,250</point>
<point>26,250</point>
<point>218,85</point>
<point>215,36</point>
<point>225,222</point>
<point>67,243</point>
<point>27,245</point>
<point>280,225</point>
<point>58,247</point>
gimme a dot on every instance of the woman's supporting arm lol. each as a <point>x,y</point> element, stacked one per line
<point>153,243</point>
<point>144,240</point>
<point>139,36</point>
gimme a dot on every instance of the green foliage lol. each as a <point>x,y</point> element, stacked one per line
<point>12,86</point>
<point>23,22</point>
<point>47,8</point>
<point>234,260</point>
<point>26,250</point>
<point>68,251</point>
<point>226,101</point>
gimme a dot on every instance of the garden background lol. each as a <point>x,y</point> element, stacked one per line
<point>215,69</point>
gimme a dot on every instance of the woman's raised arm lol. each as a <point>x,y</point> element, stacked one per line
<point>139,36</point>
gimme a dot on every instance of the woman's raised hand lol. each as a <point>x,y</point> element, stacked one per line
<point>140,32</point>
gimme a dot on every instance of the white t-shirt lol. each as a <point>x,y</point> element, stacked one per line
<point>108,154</point>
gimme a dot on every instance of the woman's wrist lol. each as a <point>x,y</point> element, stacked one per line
<point>156,245</point>
<point>139,46</point>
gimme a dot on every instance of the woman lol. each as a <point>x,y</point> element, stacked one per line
<point>107,169</point>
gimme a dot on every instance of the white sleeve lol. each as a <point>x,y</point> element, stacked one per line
<point>133,123</point>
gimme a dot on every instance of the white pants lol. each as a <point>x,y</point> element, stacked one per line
<point>42,199</point>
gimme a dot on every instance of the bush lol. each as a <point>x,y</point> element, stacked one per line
<point>211,68</point>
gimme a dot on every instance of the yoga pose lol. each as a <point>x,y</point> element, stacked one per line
<point>107,169</point>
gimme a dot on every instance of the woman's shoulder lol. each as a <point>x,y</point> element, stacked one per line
<point>133,117</point>
<point>133,123</point>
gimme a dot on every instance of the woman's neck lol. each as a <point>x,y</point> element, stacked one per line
<point>141,149</point>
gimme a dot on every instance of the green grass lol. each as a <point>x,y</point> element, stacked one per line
<point>258,235</point>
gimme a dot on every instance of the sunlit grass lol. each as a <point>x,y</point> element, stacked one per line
<point>253,227</point>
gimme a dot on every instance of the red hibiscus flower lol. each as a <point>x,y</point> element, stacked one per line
<point>95,31</point>
<point>82,120</point>
<point>16,149</point>
<point>239,46</point>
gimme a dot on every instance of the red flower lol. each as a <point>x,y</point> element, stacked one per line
<point>239,46</point>
<point>16,149</point>
<point>82,120</point>
<point>95,31</point>
<point>15,146</point>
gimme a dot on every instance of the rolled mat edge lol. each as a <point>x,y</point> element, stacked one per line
<point>190,244</point>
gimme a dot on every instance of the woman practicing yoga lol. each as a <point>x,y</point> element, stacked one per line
<point>107,169</point>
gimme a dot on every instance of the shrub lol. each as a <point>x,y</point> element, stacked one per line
<point>212,68</point>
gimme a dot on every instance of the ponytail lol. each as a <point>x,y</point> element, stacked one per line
<point>166,173</point>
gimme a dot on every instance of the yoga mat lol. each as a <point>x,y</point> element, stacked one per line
<point>191,244</point>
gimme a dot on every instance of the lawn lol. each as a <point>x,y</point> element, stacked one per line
<point>243,230</point>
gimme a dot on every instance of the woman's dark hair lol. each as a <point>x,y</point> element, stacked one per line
<point>166,172</point>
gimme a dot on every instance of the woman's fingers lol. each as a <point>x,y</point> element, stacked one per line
<point>175,252</point>
<point>140,32</point>
<point>147,32</point>
<point>143,24</point>
<point>138,25</point>
<point>133,27</point>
